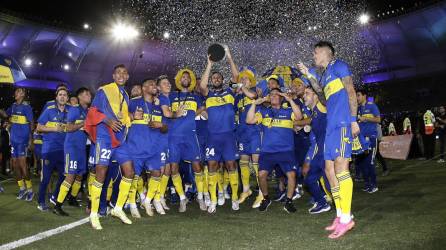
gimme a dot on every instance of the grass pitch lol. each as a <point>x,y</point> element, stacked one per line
<point>408,212</point>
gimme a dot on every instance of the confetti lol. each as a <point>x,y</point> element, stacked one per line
<point>259,33</point>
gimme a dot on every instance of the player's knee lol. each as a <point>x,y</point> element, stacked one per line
<point>263,174</point>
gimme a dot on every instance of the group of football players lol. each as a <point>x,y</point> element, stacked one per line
<point>207,135</point>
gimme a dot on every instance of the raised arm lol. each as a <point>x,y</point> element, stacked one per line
<point>251,115</point>
<point>205,78</point>
<point>232,64</point>
<point>296,109</point>
<point>313,82</point>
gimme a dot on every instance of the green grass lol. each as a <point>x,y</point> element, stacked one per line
<point>409,212</point>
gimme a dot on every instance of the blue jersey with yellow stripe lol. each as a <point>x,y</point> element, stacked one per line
<point>78,138</point>
<point>277,127</point>
<point>51,117</point>
<point>20,117</point>
<point>338,107</point>
<point>142,140</point>
<point>221,112</point>
<point>111,100</point>
<point>243,104</point>
<point>184,125</point>
<point>368,110</point>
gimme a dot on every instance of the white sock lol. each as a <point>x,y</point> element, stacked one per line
<point>338,212</point>
<point>200,195</point>
<point>345,218</point>
<point>182,197</point>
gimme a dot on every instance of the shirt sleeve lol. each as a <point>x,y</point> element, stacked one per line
<point>72,115</point>
<point>9,111</point>
<point>342,69</point>
<point>99,101</point>
<point>43,118</point>
<point>199,101</point>
<point>375,110</point>
<point>164,101</point>
<point>132,106</point>
<point>29,113</point>
<point>260,113</point>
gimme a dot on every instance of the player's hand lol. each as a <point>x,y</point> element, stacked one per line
<point>156,101</point>
<point>361,118</point>
<point>302,68</point>
<point>286,96</point>
<point>355,129</point>
<point>305,169</point>
<point>59,128</point>
<point>115,125</point>
<point>153,124</point>
<point>180,111</point>
<point>260,100</point>
<point>139,114</point>
<point>210,62</point>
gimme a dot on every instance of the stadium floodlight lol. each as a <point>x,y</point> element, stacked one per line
<point>66,67</point>
<point>166,35</point>
<point>86,26</point>
<point>28,62</point>
<point>122,31</point>
<point>364,19</point>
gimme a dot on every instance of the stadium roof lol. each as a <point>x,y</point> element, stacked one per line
<point>410,45</point>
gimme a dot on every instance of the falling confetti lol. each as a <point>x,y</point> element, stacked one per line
<point>261,34</point>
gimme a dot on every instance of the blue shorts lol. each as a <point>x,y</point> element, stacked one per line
<point>92,156</point>
<point>75,160</point>
<point>105,153</point>
<point>184,148</point>
<point>38,151</point>
<point>311,153</point>
<point>18,149</point>
<point>250,146</point>
<point>222,147</point>
<point>54,160</point>
<point>202,141</point>
<point>338,143</point>
<point>151,163</point>
<point>285,160</point>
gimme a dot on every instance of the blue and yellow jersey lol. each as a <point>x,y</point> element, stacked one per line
<point>368,110</point>
<point>78,138</point>
<point>338,107</point>
<point>37,138</point>
<point>243,104</point>
<point>112,100</point>
<point>319,124</point>
<point>277,126</point>
<point>20,117</point>
<point>306,113</point>
<point>142,140</point>
<point>220,106</point>
<point>184,125</point>
<point>51,117</point>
